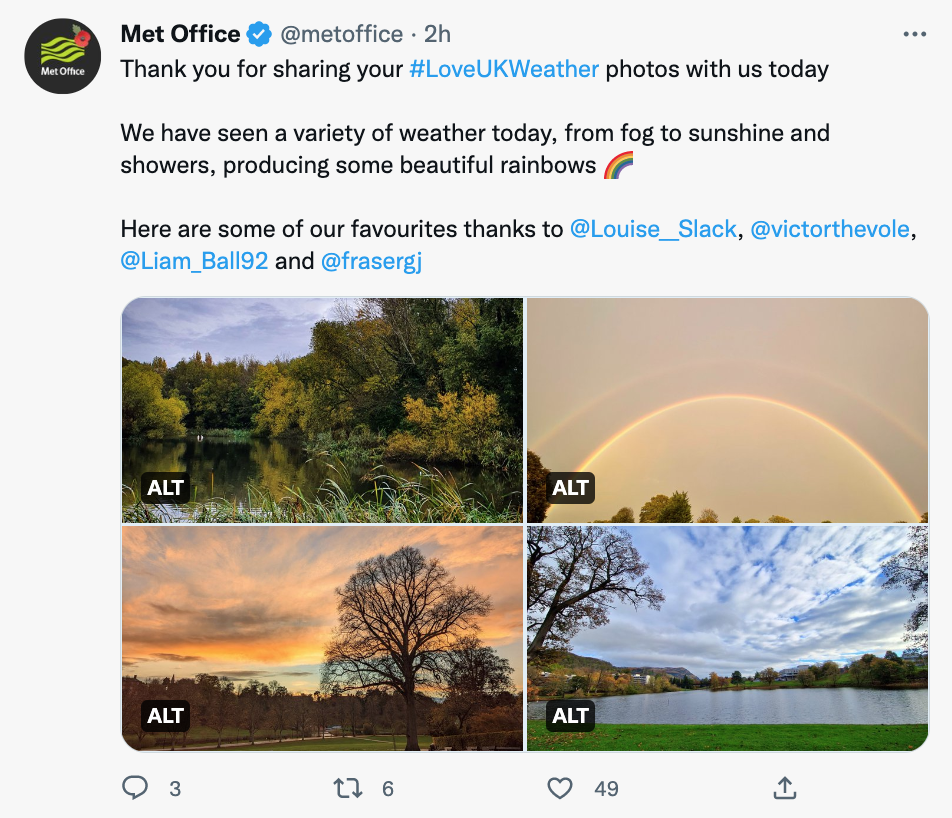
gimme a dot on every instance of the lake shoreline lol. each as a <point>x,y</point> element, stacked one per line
<point>732,737</point>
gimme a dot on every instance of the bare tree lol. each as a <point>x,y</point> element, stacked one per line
<point>474,675</point>
<point>910,569</point>
<point>398,616</point>
<point>575,574</point>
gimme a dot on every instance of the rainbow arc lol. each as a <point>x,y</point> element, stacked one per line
<point>893,483</point>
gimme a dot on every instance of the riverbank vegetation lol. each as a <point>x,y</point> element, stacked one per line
<point>711,737</point>
<point>422,380</point>
<point>431,497</point>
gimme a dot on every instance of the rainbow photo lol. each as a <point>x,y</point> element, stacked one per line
<point>731,410</point>
<point>618,164</point>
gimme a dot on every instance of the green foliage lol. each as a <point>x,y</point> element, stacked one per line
<point>431,498</point>
<point>651,510</point>
<point>677,510</point>
<point>736,520</point>
<point>441,379</point>
<point>536,474</point>
<point>145,413</point>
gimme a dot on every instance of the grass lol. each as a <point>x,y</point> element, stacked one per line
<point>429,498</point>
<point>367,744</point>
<point>729,737</point>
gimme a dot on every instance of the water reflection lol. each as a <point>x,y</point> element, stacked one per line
<point>223,468</point>
<point>843,705</point>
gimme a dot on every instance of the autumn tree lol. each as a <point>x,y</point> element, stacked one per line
<point>776,518</point>
<point>398,617</point>
<point>806,677</point>
<point>830,670</point>
<point>718,682</point>
<point>910,570</point>
<point>708,515</point>
<point>768,676</point>
<point>575,576</point>
<point>651,510</point>
<point>537,506</point>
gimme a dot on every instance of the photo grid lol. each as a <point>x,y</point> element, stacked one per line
<point>452,525</point>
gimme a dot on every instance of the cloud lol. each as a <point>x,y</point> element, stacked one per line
<point>242,675</point>
<point>747,598</point>
<point>175,657</point>
<point>175,328</point>
<point>257,597</point>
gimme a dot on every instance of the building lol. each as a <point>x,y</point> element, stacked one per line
<point>789,674</point>
<point>916,656</point>
<point>638,679</point>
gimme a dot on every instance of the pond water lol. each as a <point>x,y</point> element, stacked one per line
<point>844,705</point>
<point>275,465</point>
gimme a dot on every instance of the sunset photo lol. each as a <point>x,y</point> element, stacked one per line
<point>730,410</point>
<point>291,637</point>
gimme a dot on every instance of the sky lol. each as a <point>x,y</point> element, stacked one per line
<point>258,601</point>
<point>750,597</point>
<point>264,328</point>
<point>811,409</point>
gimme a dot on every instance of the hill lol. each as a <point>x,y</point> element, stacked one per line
<point>574,662</point>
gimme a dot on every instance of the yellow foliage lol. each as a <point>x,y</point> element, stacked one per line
<point>459,428</point>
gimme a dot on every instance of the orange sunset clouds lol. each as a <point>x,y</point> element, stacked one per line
<point>258,602</point>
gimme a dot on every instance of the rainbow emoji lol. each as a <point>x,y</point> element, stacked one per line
<point>618,164</point>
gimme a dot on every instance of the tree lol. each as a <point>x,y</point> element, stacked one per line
<point>925,517</point>
<point>537,506</point>
<point>252,706</point>
<point>677,510</point>
<point>769,676</point>
<point>776,518</point>
<point>279,711</point>
<point>398,616</point>
<point>651,510</point>
<point>806,677</point>
<point>737,678</point>
<point>910,570</point>
<point>752,520</point>
<point>708,515</point>
<point>575,574</point>
<point>736,520</point>
<point>623,515</point>
<point>718,682</point>
<point>218,703</point>
<point>145,413</point>
<point>303,714</point>
<point>473,676</point>
<point>830,670</point>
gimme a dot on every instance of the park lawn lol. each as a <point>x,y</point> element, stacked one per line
<point>370,743</point>
<point>732,737</point>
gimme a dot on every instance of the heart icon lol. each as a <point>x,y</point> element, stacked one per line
<point>560,787</point>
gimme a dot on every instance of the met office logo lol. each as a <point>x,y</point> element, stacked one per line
<point>62,56</point>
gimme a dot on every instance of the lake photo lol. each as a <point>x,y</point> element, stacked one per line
<point>736,638</point>
<point>845,705</point>
<point>323,410</point>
